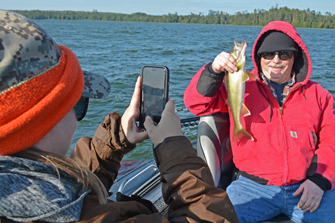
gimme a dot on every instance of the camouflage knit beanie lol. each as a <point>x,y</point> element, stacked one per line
<point>40,82</point>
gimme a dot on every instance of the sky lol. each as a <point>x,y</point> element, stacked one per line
<point>161,7</point>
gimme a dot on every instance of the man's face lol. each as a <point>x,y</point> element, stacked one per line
<point>277,70</point>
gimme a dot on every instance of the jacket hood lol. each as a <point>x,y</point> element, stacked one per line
<point>302,63</point>
<point>31,191</point>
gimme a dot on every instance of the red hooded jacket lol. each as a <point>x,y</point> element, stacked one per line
<point>292,143</point>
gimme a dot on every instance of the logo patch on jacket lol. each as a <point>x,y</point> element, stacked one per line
<point>294,134</point>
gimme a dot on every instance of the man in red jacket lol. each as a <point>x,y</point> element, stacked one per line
<point>289,166</point>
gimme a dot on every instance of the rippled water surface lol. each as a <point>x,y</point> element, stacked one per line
<point>118,50</point>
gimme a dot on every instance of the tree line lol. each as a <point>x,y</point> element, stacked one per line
<point>259,17</point>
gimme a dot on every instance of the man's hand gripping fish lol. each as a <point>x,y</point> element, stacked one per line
<point>235,85</point>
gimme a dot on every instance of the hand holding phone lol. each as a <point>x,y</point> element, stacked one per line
<point>154,92</point>
<point>128,120</point>
<point>168,127</point>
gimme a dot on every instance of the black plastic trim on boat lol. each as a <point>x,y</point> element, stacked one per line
<point>186,122</point>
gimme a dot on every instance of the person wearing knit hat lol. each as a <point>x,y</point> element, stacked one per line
<point>40,82</point>
<point>43,94</point>
<point>273,41</point>
<point>288,168</point>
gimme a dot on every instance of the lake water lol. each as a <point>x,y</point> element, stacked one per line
<point>118,50</point>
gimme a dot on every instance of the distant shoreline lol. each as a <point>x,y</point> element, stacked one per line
<point>298,18</point>
<point>179,23</point>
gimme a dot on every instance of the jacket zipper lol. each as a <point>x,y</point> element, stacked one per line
<point>285,145</point>
<point>284,135</point>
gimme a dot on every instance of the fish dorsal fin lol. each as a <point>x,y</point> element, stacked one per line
<point>251,76</point>
<point>245,77</point>
<point>245,111</point>
<point>248,76</point>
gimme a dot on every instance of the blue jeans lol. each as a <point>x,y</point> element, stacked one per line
<point>255,202</point>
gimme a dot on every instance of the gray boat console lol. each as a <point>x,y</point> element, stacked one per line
<point>144,181</point>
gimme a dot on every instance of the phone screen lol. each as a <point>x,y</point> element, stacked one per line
<point>154,94</point>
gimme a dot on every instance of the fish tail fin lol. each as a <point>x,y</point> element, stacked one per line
<point>239,133</point>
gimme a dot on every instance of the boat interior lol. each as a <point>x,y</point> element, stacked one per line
<point>212,144</point>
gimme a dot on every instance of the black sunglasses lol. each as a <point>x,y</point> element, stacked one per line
<point>81,108</point>
<point>283,55</point>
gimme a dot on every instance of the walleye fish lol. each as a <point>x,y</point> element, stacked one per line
<point>235,85</point>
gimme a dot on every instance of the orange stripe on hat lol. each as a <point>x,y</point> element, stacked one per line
<point>31,110</point>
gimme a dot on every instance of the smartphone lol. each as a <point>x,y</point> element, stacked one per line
<point>154,92</point>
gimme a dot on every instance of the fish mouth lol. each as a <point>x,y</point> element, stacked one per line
<point>240,48</point>
<point>244,47</point>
